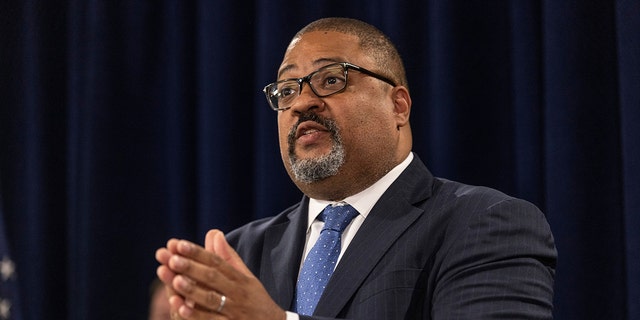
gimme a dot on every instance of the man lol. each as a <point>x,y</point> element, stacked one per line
<point>419,247</point>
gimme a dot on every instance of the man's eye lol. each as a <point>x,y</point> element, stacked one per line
<point>331,82</point>
<point>287,90</point>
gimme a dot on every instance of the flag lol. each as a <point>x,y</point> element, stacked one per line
<point>9,300</point>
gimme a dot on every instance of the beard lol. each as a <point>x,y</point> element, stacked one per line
<point>319,168</point>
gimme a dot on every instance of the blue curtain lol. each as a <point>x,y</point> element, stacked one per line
<point>124,123</point>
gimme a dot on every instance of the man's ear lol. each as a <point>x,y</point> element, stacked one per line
<point>401,105</point>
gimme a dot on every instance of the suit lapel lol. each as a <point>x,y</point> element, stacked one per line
<point>387,221</point>
<point>282,253</point>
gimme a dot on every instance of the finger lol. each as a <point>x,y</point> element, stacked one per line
<point>208,276</point>
<point>196,253</point>
<point>172,244</point>
<point>197,314</point>
<point>163,255</point>
<point>204,298</point>
<point>216,240</point>
<point>165,274</point>
<point>186,312</point>
<point>175,303</point>
<point>208,243</point>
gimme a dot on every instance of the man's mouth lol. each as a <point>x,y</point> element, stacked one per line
<point>309,132</point>
<point>308,128</point>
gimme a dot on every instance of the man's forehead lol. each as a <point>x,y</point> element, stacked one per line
<point>328,41</point>
<point>293,43</point>
<point>317,63</point>
<point>318,48</point>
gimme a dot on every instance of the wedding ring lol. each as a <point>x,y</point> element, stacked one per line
<point>223,299</point>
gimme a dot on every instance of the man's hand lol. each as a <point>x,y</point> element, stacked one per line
<point>212,283</point>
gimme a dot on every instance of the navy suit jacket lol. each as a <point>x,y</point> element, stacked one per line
<point>429,249</point>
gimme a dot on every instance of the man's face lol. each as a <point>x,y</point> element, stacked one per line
<point>341,138</point>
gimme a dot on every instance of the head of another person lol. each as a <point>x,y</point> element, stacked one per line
<point>343,116</point>
<point>159,308</point>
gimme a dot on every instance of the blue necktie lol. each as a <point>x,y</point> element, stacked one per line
<point>321,260</point>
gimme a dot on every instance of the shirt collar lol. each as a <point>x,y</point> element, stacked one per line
<point>364,200</point>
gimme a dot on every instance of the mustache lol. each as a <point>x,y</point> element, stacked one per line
<point>310,116</point>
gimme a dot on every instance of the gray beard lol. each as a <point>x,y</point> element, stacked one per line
<point>316,169</point>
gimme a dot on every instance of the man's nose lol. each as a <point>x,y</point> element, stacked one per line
<point>307,101</point>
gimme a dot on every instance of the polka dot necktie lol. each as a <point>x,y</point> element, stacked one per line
<point>322,259</point>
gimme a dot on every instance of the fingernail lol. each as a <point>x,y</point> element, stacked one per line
<point>177,262</point>
<point>184,247</point>
<point>183,283</point>
<point>185,311</point>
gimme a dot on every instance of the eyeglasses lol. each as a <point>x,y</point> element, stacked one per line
<point>324,82</point>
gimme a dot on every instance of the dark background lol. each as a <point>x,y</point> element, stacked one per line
<point>124,123</point>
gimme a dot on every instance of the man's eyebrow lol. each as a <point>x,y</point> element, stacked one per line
<point>318,62</point>
<point>285,69</point>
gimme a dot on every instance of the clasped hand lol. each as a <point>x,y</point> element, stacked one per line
<point>212,282</point>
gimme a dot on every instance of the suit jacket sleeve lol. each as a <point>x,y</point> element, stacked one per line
<point>500,265</point>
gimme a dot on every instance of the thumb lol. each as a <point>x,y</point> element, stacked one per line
<point>216,242</point>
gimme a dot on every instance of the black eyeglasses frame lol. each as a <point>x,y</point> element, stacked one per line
<point>345,65</point>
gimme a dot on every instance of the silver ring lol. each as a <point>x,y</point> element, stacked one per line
<point>223,299</point>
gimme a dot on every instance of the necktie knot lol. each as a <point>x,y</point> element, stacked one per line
<point>337,217</point>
